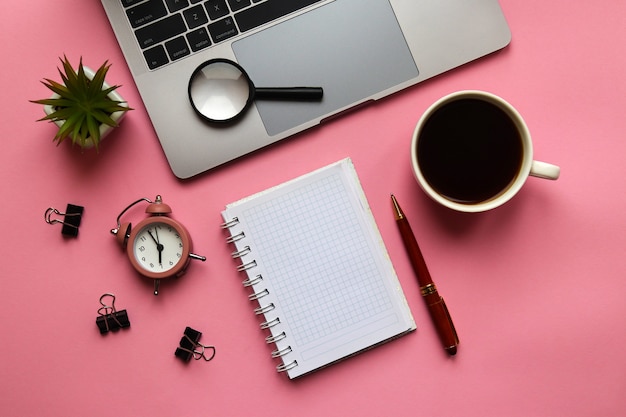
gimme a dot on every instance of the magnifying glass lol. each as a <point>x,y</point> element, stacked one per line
<point>220,91</point>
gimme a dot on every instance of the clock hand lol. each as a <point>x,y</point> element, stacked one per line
<point>152,236</point>
<point>158,245</point>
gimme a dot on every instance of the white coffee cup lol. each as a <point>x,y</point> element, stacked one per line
<point>472,151</point>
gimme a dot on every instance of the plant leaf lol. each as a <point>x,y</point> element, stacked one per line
<point>96,85</point>
<point>93,128</point>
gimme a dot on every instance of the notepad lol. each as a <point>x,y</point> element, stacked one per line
<point>317,269</point>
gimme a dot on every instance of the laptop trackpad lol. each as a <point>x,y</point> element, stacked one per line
<point>352,48</point>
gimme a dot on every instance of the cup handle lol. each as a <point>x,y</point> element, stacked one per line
<point>544,170</point>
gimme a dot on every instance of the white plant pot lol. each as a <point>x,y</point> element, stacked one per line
<point>104,129</point>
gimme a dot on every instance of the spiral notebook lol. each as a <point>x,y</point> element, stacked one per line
<point>317,269</point>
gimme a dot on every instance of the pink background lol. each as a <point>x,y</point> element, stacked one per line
<point>536,287</point>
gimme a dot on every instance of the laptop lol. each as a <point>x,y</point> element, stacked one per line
<point>356,50</point>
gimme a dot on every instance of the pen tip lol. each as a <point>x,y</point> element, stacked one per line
<point>451,350</point>
<point>396,208</point>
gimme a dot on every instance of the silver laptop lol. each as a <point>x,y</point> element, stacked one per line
<point>356,50</point>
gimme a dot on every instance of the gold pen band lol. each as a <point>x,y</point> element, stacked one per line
<point>428,289</point>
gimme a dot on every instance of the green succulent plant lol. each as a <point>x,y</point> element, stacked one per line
<point>81,104</point>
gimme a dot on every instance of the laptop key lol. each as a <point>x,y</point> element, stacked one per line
<point>216,8</point>
<point>195,17</point>
<point>146,12</point>
<point>198,39</point>
<point>155,57</point>
<point>268,11</point>
<point>176,5</point>
<point>177,48</point>
<point>222,29</point>
<point>128,3</point>
<point>238,4</point>
<point>159,31</point>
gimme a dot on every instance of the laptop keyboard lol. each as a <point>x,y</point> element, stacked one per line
<point>168,30</point>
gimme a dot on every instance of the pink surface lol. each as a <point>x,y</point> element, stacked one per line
<point>536,287</point>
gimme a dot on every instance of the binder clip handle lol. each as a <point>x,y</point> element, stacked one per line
<point>107,309</point>
<point>71,218</point>
<point>199,351</point>
<point>190,347</point>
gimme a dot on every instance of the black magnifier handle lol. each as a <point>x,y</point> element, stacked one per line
<point>289,93</point>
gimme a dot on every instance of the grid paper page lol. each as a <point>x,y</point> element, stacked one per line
<point>313,245</point>
<point>314,270</point>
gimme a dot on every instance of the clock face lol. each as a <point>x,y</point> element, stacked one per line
<point>160,248</point>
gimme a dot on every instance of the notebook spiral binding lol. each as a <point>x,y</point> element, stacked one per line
<point>257,296</point>
<point>264,309</point>
<point>252,281</point>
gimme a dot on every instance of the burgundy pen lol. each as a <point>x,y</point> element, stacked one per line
<point>435,304</point>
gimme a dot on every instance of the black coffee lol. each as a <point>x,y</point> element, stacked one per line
<point>469,151</point>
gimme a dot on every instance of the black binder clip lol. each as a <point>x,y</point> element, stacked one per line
<point>191,348</point>
<point>71,219</point>
<point>109,318</point>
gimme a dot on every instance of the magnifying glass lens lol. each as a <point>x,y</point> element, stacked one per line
<point>219,91</point>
